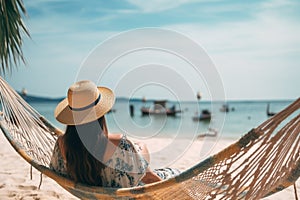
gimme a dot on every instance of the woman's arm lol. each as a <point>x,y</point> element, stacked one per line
<point>141,148</point>
<point>150,176</point>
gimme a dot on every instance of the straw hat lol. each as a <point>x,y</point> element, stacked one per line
<point>85,103</point>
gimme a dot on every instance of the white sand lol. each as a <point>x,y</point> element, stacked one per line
<point>15,180</point>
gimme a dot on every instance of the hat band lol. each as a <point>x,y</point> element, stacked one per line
<point>88,106</point>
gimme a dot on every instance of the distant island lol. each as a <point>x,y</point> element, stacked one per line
<point>35,99</point>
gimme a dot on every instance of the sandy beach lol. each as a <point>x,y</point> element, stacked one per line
<point>15,180</point>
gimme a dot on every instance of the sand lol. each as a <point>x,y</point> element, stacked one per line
<point>15,182</point>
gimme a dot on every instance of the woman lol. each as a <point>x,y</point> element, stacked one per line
<point>87,153</point>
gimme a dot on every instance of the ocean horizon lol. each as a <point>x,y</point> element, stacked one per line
<point>243,115</point>
<point>38,98</point>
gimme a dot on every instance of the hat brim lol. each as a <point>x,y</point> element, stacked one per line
<point>65,115</point>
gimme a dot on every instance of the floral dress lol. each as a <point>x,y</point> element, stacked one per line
<point>125,168</point>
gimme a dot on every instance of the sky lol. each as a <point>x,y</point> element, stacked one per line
<point>254,45</point>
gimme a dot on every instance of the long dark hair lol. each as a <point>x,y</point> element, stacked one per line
<point>84,149</point>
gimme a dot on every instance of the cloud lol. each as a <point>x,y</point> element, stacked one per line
<point>258,52</point>
<point>277,4</point>
<point>160,5</point>
<point>263,32</point>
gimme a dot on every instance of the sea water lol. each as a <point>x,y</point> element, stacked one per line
<point>242,117</point>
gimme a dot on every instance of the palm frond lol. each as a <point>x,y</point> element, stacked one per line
<point>12,29</point>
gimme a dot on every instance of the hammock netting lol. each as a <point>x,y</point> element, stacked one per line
<point>264,161</point>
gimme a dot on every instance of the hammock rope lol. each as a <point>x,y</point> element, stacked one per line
<point>264,161</point>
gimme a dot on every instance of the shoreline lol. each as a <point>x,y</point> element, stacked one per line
<point>15,180</point>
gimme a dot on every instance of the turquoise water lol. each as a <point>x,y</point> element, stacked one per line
<point>246,115</point>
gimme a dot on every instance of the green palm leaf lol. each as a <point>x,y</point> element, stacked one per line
<point>12,29</point>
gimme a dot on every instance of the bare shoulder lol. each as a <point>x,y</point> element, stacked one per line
<point>115,138</point>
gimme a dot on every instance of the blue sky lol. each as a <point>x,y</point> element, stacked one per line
<point>255,45</point>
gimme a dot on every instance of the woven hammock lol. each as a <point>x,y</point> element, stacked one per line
<point>264,161</point>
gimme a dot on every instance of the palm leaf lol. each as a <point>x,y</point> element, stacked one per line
<point>12,29</point>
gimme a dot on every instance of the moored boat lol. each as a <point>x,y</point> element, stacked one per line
<point>204,116</point>
<point>224,108</point>
<point>160,108</point>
